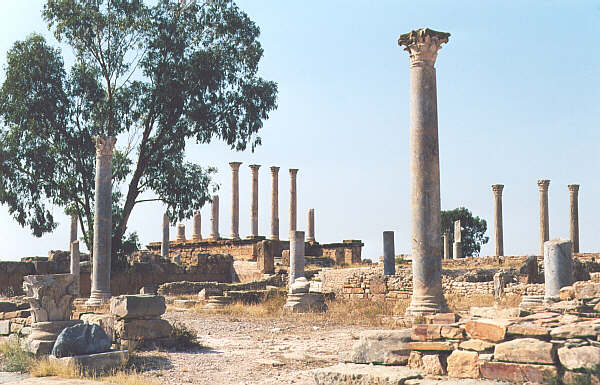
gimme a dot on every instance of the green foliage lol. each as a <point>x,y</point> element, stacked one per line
<point>158,77</point>
<point>473,230</point>
<point>14,357</point>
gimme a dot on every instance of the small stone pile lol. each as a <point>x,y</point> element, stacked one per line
<point>137,319</point>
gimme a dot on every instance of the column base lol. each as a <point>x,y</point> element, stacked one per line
<point>311,240</point>
<point>274,237</point>
<point>98,298</point>
<point>425,305</point>
<point>235,237</point>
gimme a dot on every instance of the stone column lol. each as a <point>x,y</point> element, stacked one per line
<point>75,268</point>
<point>389,253</point>
<point>275,203</point>
<point>73,236</point>
<point>100,287</point>
<point>296,256</point>
<point>574,219</point>
<point>446,245</point>
<point>214,217</point>
<point>254,202</point>
<point>180,232</point>
<point>235,199</point>
<point>457,251</point>
<point>293,173</point>
<point>311,226</point>
<point>498,229</point>
<point>164,247</point>
<point>197,234</point>
<point>544,225</point>
<point>558,267</point>
<point>422,46</point>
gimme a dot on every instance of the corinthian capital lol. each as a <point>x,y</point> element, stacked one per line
<point>543,184</point>
<point>423,45</point>
<point>105,145</point>
<point>497,189</point>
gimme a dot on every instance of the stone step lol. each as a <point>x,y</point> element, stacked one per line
<point>344,374</point>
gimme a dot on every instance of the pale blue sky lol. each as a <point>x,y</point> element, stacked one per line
<point>518,100</point>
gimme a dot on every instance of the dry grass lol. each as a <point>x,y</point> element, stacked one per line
<point>458,303</point>
<point>14,357</point>
<point>272,307</point>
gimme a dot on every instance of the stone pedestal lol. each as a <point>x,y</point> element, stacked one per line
<point>254,202</point>
<point>180,232</point>
<point>389,253</point>
<point>164,247</point>
<point>274,203</point>
<point>214,217</point>
<point>574,217</point>
<point>558,267</point>
<point>197,231</point>
<point>310,237</point>
<point>235,199</point>
<point>457,250</point>
<point>498,229</point>
<point>446,245</point>
<point>423,45</point>
<point>296,256</point>
<point>100,290</point>
<point>293,175</point>
<point>301,300</point>
<point>75,268</point>
<point>544,225</point>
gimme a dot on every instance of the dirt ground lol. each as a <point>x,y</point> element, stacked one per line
<point>249,351</point>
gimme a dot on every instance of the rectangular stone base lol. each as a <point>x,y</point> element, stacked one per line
<point>518,373</point>
<point>96,362</point>
<point>359,374</point>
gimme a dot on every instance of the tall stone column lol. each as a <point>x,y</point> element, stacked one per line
<point>275,203</point>
<point>457,251</point>
<point>180,232</point>
<point>498,229</point>
<point>164,247</point>
<point>544,225</point>
<point>389,253</point>
<point>423,45</point>
<point>73,232</point>
<point>293,174</point>
<point>311,226</point>
<point>254,202</point>
<point>214,217</point>
<point>74,266</point>
<point>197,230</point>
<point>574,218</point>
<point>235,199</point>
<point>296,256</point>
<point>446,245</point>
<point>100,291</point>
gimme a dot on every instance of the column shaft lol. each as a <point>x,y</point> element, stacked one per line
<point>74,265</point>
<point>254,202</point>
<point>197,230</point>
<point>164,247</point>
<point>498,229</point>
<point>235,199</point>
<point>446,245</point>
<point>558,267</point>
<point>293,173</point>
<point>574,217</point>
<point>296,256</point>
<point>311,226</point>
<point>214,217</point>
<point>544,225</point>
<point>73,235</point>
<point>181,232</point>
<point>275,203</point>
<point>389,253</point>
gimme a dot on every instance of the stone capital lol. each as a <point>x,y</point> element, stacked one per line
<point>274,170</point>
<point>235,166</point>
<point>543,184</point>
<point>423,45</point>
<point>573,188</point>
<point>254,167</point>
<point>497,189</point>
<point>105,145</point>
<point>293,172</point>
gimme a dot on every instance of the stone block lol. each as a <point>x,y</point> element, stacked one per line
<point>576,378</point>
<point>105,321</point>
<point>433,346</point>
<point>388,347</point>
<point>517,373</point>
<point>525,350</point>
<point>452,332</point>
<point>426,363</point>
<point>493,313</point>
<point>5,327</point>
<point>344,374</point>
<point>96,362</point>
<point>528,330</point>
<point>566,293</point>
<point>584,357</point>
<point>440,318</point>
<point>576,330</point>
<point>82,339</point>
<point>143,329</point>
<point>586,289</point>
<point>138,306</point>
<point>426,332</point>
<point>476,345</point>
<point>487,329</point>
<point>463,364</point>
<point>6,306</point>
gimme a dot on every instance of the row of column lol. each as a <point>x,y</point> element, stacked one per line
<point>543,185</point>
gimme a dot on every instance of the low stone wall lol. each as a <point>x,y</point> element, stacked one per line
<point>192,288</point>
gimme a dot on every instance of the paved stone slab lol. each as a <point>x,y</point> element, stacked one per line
<point>359,374</point>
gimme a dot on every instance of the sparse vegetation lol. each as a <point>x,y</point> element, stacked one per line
<point>14,357</point>
<point>458,303</point>
<point>184,337</point>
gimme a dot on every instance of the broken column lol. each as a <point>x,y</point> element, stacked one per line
<point>293,173</point>
<point>544,226</point>
<point>498,230</point>
<point>558,267</point>
<point>197,234</point>
<point>275,203</point>
<point>446,245</point>
<point>458,250</point>
<point>254,202</point>
<point>235,199</point>
<point>214,217</point>
<point>296,255</point>
<point>311,226</point>
<point>100,287</point>
<point>73,232</point>
<point>574,217</point>
<point>389,253</point>
<point>75,267</point>
<point>422,46</point>
<point>180,232</point>
<point>164,247</point>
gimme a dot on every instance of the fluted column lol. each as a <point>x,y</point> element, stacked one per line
<point>100,286</point>
<point>73,229</point>
<point>235,199</point>
<point>214,217</point>
<point>197,229</point>
<point>544,224</point>
<point>422,46</point>
<point>574,217</point>
<point>498,228</point>
<point>311,226</point>
<point>275,203</point>
<point>293,174</point>
<point>164,247</point>
<point>254,201</point>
